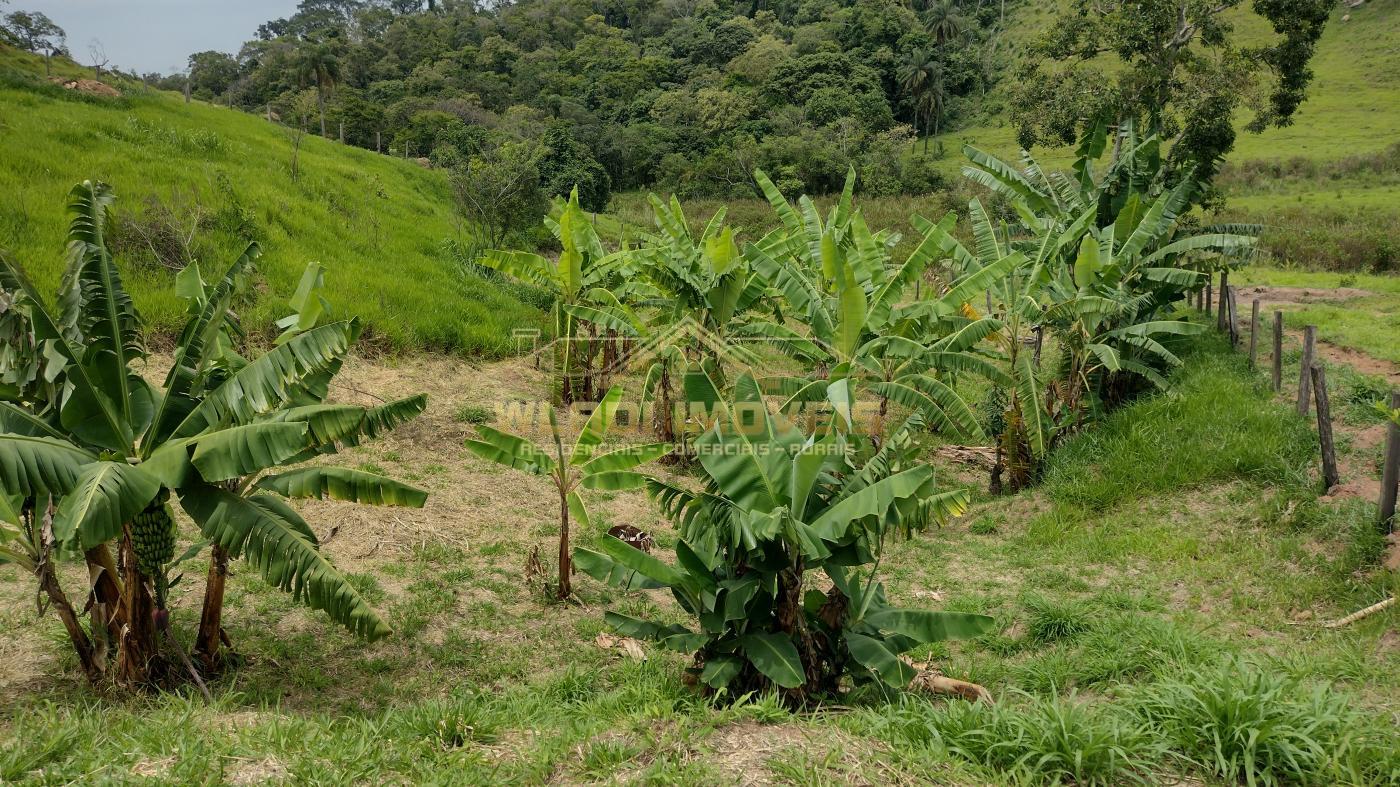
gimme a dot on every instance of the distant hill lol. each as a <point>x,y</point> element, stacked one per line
<point>378,224</point>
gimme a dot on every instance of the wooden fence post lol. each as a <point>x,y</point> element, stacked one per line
<point>1390,476</point>
<point>1324,428</point>
<point>1233,317</point>
<point>1305,378</point>
<point>1223,312</point>
<point>377,148</point>
<point>1254,334</point>
<point>1210,302</point>
<point>342,132</point>
<point>1278,352</point>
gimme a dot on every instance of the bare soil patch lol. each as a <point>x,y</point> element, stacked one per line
<point>87,86</point>
<point>1299,296</point>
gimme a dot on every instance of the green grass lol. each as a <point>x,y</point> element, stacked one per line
<point>1368,323</point>
<point>1217,425</point>
<point>1133,626</point>
<point>378,224</point>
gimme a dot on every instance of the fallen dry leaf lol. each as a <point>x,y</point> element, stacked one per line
<point>630,647</point>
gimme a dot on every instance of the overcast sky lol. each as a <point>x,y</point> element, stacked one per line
<point>156,35</point>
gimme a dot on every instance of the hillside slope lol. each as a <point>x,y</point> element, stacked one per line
<point>1353,105</point>
<point>1327,187</point>
<point>378,224</point>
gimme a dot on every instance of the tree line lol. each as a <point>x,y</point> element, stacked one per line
<point>615,95</point>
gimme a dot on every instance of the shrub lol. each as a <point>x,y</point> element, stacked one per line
<point>475,414</point>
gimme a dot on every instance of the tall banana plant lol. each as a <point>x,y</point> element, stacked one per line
<point>571,468</point>
<point>1109,253</point>
<point>853,305</point>
<point>776,506</point>
<point>222,442</point>
<point>697,295</point>
<point>582,266</point>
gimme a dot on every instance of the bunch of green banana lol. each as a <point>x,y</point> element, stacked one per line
<point>153,538</point>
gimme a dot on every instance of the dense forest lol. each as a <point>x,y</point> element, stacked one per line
<point>682,95</point>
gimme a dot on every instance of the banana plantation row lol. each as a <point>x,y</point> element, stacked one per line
<point>781,481</point>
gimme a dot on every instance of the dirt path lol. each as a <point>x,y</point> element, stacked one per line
<point>1285,299</point>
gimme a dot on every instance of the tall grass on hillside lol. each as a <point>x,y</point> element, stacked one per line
<point>195,181</point>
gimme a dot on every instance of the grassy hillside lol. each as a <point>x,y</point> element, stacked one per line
<point>1353,105</point>
<point>378,224</point>
<point>1327,187</point>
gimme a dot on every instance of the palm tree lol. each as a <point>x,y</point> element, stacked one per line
<point>921,77</point>
<point>914,75</point>
<point>317,63</point>
<point>943,22</point>
<point>933,101</point>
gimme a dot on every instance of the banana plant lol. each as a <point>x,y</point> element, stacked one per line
<point>583,265</point>
<point>1048,202</point>
<point>1107,257</point>
<point>114,449</point>
<point>776,506</point>
<point>571,468</point>
<point>695,303</point>
<point>864,330</point>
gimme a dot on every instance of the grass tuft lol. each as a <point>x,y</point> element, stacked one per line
<point>1246,724</point>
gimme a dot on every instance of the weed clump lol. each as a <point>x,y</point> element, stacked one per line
<point>1245,724</point>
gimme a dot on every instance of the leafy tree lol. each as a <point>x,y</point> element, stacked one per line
<point>567,165</point>
<point>499,190</point>
<point>211,74</point>
<point>35,32</point>
<point>1175,67</point>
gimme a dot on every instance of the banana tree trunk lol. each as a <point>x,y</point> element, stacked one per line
<point>590,391</point>
<point>663,419</point>
<point>107,613</point>
<point>104,600</point>
<point>92,666</point>
<point>566,566</point>
<point>564,361</point>
<point>211,632</point>
<point>139,663</point>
